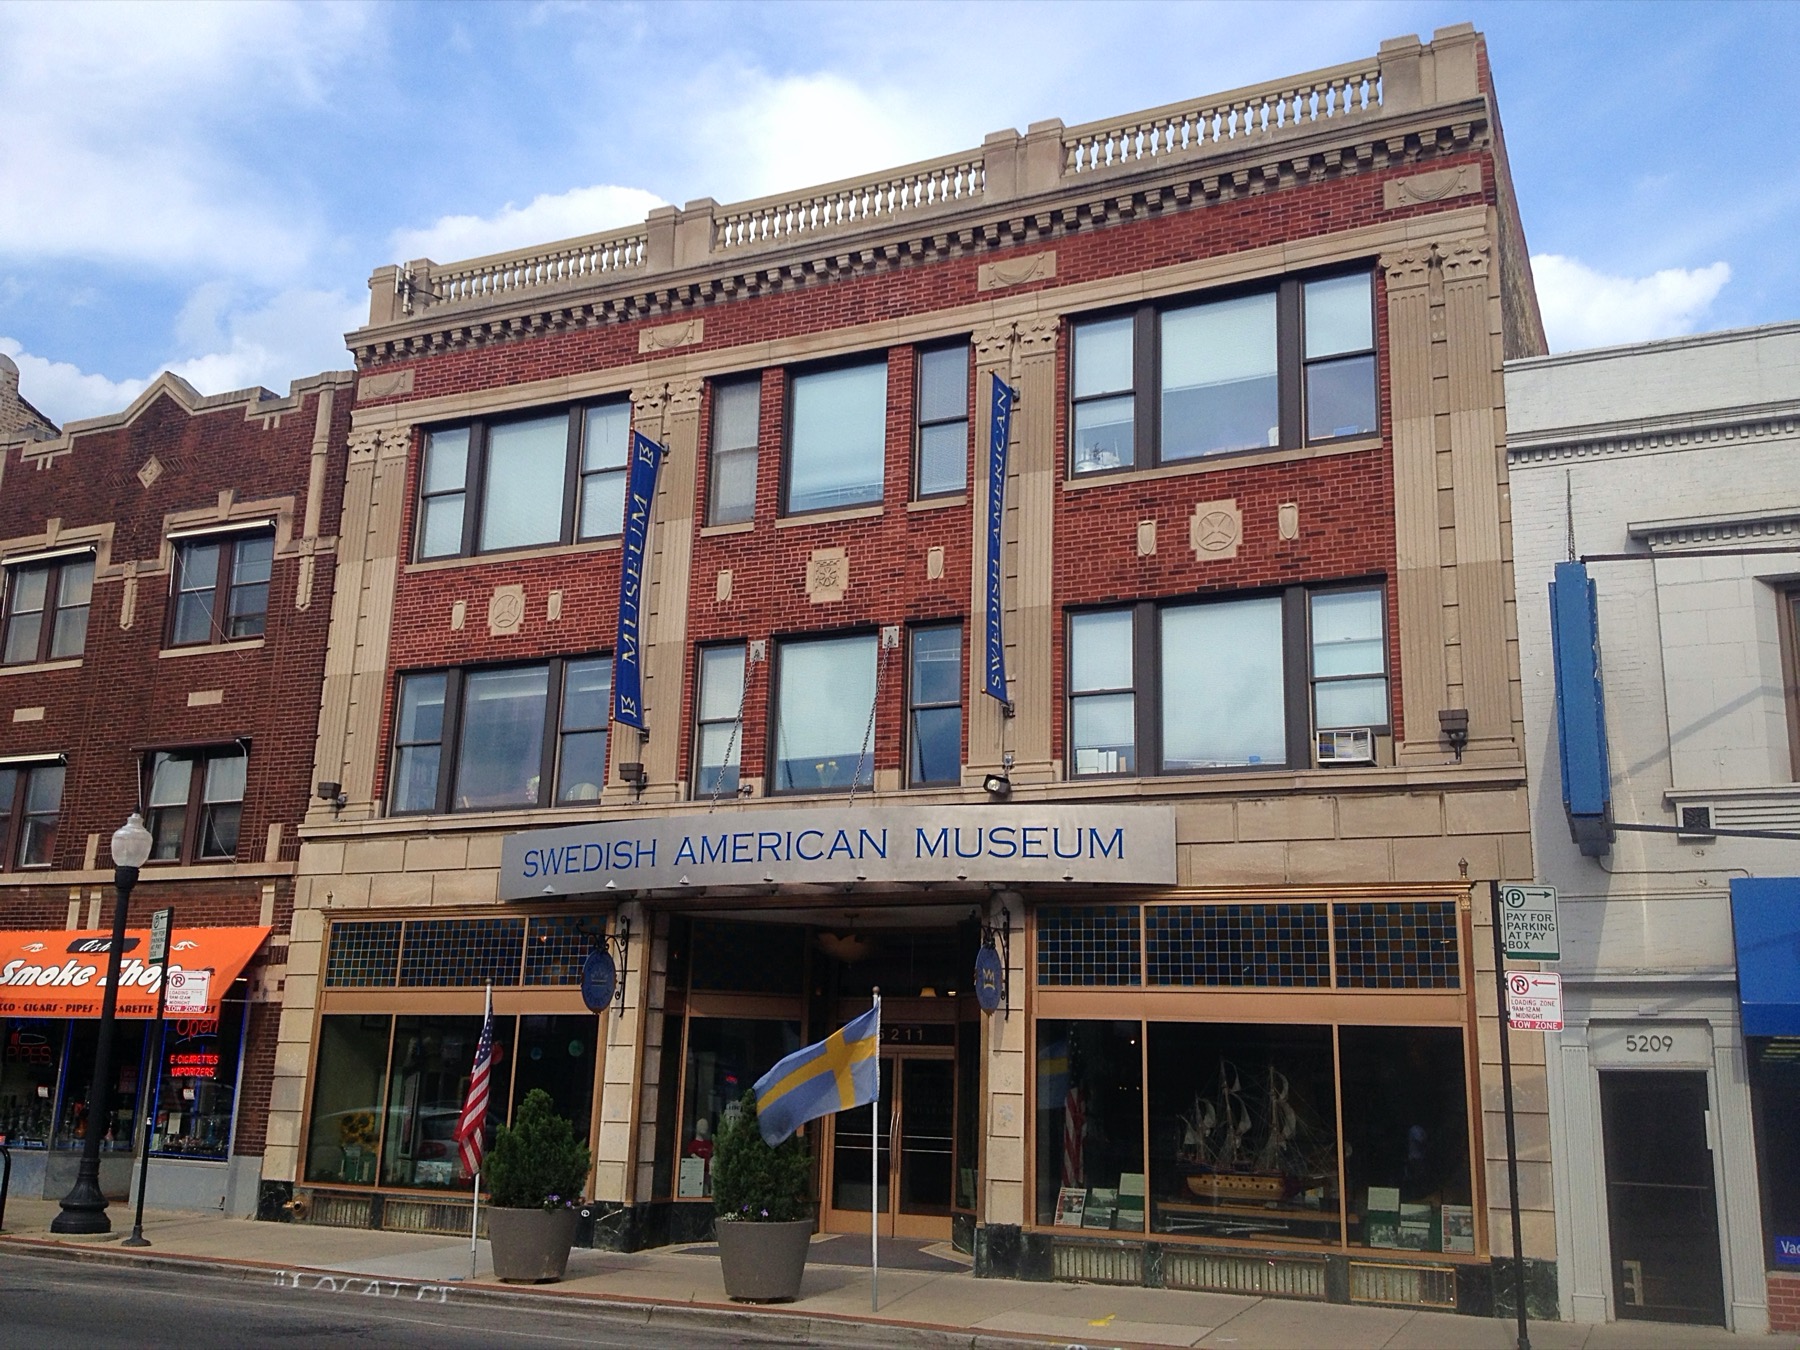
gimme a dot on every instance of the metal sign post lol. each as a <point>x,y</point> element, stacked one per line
<point>159,953</point>
<point>1512,1140</point>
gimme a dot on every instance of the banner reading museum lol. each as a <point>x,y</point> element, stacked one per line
<point>1128,845</point>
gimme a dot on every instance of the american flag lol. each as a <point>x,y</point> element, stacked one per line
<point>471,1127</point>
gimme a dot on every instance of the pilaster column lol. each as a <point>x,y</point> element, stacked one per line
<point>362,612</point>
<point>1471,331</point>
<point>1418,580</point>
<point>1031,534</point>
<point>988,729</point>
<point>621,1066</point>
<point>674,408</point>
<point>1005,1079</point>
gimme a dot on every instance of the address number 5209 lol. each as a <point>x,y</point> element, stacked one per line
<point>1648,1045</point>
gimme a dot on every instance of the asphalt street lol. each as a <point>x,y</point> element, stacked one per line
<point>46,1303</point>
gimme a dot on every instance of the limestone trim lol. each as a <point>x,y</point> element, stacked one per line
<point>259,405</point>
<point>1749,528</point>
<point>670,572</point>
<point>608,545</point>
<point>829,517</point>
<point>1224,171</point>
<point>1654,435</point>
<point>1220,463</point>
<point>992,321</point>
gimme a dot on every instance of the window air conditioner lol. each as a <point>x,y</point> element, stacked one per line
<point>1355,746</point>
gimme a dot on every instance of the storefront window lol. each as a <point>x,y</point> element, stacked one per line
<point>198,1084</point>
<point>724,1058</point>
<point>557,1055</point>
<point>668,1084</point>
<point>427,1082</point>
<point>1090,1125</point>
<point>29,1064</point>
<point>1406,1130</point>
<point>348,1087</point>
<point>127,1061</point>
<point>1775,1098</point>
<point>1243,1137</point>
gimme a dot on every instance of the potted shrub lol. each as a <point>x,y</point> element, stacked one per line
<point>763,1210</point>
<point>534,1173</point>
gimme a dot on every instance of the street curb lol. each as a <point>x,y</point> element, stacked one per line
<point>834,1329</point>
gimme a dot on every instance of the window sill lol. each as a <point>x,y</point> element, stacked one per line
<point>211,648</point>
<point>40,667</point>
<point>939,503</point>
<point>736,527</point>
<point>1240,459</point>
<point>830,517</point>
<point>610,544</point>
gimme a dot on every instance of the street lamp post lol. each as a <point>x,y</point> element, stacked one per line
<point>84,1207</point>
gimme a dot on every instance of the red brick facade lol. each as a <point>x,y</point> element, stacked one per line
<point>177,463</point>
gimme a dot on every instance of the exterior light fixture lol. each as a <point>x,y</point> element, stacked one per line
<point>997,785</point>
<point>1454,724</point>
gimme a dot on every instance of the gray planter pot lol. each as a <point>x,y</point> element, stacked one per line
<point>763,1262</point>
<point>531,1246</point>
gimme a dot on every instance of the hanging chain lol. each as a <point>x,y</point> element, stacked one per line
<point>874,703</point>
<point>737,726</point>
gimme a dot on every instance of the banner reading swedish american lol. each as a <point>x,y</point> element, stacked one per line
<point>628,653</point>
<point>840,1072</point>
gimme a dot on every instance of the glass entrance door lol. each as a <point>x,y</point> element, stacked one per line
<point>1663,1211</point>
<point>915,1152</point>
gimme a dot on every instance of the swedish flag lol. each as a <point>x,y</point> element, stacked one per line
<point>840,1072</point>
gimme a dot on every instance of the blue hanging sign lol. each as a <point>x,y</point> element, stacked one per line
<point>1000,432</point>
<point>628,651</point>
<point>990,979</point>
<point>599,978</point>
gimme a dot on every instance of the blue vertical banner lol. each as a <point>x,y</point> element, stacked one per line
<point>999,433</point>
<point>628,652</point>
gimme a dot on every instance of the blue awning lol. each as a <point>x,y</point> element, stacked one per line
<point>1765,915</point>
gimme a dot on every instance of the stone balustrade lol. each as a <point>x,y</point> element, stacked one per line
<point>1224,120</point>
<point>1405,76</point>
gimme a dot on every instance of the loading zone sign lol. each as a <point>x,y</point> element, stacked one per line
<point>1534,1001</point>
<point>1528,923</point>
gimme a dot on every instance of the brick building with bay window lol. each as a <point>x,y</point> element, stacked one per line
<point>1258,743</point>
<point>167,585</point>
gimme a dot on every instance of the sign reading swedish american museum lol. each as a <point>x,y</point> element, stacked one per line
<point>628,672</point>
<point>1091,844</point>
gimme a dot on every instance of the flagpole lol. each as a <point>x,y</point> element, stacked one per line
<point>875,1170</point>
<point>475,1208</point>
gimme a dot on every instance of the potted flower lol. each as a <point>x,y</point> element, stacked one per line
<point>535,1174</point>
<point>763,1210</point>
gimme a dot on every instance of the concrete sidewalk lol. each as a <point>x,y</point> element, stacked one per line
<point>941,1306</point>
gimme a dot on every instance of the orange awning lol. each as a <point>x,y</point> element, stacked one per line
<point>57,973</point>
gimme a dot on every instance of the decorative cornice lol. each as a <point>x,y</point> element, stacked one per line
<point>1691,431</point>
<point>1779,526</point>
<point>1168,186</point>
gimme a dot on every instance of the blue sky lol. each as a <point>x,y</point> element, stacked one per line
<point>206,188</point>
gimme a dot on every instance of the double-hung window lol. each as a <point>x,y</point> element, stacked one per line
<point>942,415</point>
<point>221,588</point>
<point>501,737</point>
<point>47,606</point>
<point>196,803</point>
<point>493,485</point>
<point>1239,682</point>
<point>824,702</point>
<point>934,706</point>
<point>719,726</point>
<point>1279,367</point>
<point>30,806</point>
<point>836,437</point>
<point>731,466</point>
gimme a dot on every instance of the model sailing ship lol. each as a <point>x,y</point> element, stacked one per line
<point>1248,1145</point>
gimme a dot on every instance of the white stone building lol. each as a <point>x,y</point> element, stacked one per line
<point>1672,469</point>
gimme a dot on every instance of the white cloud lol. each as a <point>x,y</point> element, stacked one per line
<point>227,346</point>
<point>1586,308</point>
<point>62,391</point>
<point>547,217</point>
<point>120,123</point>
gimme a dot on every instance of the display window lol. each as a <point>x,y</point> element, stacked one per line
<point>196,1088</point>
<point>725,1056</point>
<point>73,1123</point>
<point>388,1091</point>
<point>30,1068</point>
<point>1775,1100</point>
